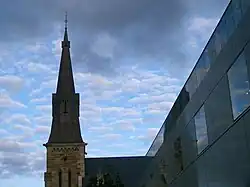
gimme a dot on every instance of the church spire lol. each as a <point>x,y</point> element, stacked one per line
<point>65,82</point>
<point>65,102</point>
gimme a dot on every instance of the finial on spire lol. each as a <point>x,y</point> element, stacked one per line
<point>66,20</point>
<point>65,42</point>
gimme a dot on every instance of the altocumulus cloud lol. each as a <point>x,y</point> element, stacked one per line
<point>107,32</point>
<point>14,160</point>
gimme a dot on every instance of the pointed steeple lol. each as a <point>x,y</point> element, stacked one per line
<point>65,102</point>
<point>65,84</point>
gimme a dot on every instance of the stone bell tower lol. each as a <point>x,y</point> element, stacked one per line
<point>65,147</point>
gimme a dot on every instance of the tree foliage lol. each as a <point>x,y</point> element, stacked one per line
<point>105,180</point>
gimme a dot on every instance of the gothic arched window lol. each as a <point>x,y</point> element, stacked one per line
<point>69,178</point>
<point>60,178</point>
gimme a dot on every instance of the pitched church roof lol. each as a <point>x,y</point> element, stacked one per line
<point>65,124</point>
<point>129,169</point>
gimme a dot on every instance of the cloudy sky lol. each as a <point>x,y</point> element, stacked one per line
<point>130,60</point>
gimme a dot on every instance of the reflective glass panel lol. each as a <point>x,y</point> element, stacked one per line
<point>202,67</point>
<point>192,84</point>
<point>229,19</point>
<point>227,24</point>
<point>211,49</point>
<point>206,59</point>
<point>223,31</point>
<point>245,4</point>
<point>201,130</point>
<point>237,11</point>
<point>184,99</point>
<point>219,40</point>
<point>219,115</point>
<point>239,86</point>
<point>157,142</point>
<point>200,72</point>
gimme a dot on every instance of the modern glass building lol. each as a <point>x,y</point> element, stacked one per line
<point>205,139</point>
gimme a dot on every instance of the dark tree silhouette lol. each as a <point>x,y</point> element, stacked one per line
<point>93,182</point>
<point>105,180</point>
<point>108,181</point>
<point>118,181</point>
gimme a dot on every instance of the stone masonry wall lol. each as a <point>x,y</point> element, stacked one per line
<point>65,158</point>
